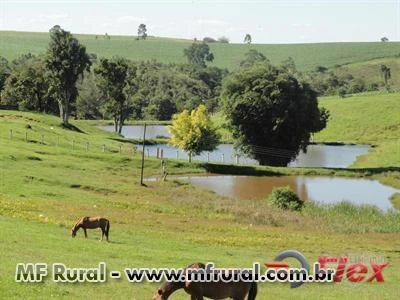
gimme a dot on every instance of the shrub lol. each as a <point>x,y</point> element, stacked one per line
<point>285,198</point>
<point>342,92</point>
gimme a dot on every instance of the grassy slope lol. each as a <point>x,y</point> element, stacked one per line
<point>368,119</point>
<point>44,189</point>
<point>306,56</point>
<point>370,72</point>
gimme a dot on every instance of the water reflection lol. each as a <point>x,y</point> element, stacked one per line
<point>328,156</point>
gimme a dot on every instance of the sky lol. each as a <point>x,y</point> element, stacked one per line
<point>267,21</point>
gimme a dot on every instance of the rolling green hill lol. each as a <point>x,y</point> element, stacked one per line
<point>306,56</point>
<point>369,70</point>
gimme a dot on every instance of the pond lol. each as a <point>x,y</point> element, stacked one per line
<point>329,156</point>
<point>136,131</point>
<point>309,188</point>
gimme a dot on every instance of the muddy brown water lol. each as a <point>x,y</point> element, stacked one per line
<point>309,188</point>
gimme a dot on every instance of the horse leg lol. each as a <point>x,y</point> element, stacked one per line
<point>102,233</point>
<point>107,229</point>
<point>84,230</point>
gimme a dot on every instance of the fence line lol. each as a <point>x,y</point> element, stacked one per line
<point>59,141</point>
<point>81,144</point>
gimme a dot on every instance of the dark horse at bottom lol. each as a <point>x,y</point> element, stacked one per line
<point>213,290</point>
<point>92,223</point>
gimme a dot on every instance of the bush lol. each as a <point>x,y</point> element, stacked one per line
<point>342,92</point>
<point>284,198</point>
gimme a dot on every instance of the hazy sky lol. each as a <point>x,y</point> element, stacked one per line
<point>267,21</point>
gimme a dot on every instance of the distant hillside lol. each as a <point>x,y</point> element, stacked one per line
<point>369,71</point>
<point>306,56</point>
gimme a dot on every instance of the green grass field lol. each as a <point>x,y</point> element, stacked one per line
<point>168,50</point>
<point>45,188</point>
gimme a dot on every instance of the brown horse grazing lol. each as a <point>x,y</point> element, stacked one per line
<point>92,223</point>
<point>213,290</point>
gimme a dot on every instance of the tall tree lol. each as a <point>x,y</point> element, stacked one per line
<point>66,60</point>
<point>114,84</point>
<point>198,54</point>
<point>142,31</point>
<point>193,132</point>
<point>253,57</point>
<point>89,104</point>
<point>5,71</point>
<point>247,39</point>
<point>385,71</point>
<point>271,114</point>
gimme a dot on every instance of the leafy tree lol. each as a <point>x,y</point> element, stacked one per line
<point>289,65</point>
<point>357,86</point>
<point>90,101</point>
<point>193,132</point>
<point>223,39</point>
<point>142,31</point>
<point>113,82</point>
<point>66,60</point>
<point>164,89</point>
<point>385,71</point>
<point>342,92</point>
<point>271,113</point>
<point>208,39</point>
<point>247,39</point>
<point>212,77</point>
<point>160,108</point>
<point>27,86</point>
<point>384,39</point>
<point>253,57</point>
<point>198,54</point>
<point>5,71</point>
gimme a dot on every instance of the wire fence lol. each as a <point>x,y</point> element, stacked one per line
<point>59,141</point>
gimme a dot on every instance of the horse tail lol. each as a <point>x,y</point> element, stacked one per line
<point>253,291</point>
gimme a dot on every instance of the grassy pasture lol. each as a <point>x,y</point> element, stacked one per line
<point>366,119</point>
<point>44,189</point>
<point>170,50</point>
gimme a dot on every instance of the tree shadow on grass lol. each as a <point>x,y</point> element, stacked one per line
<point>72,128</point>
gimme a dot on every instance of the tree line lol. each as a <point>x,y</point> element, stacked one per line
<point>69,81</point>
